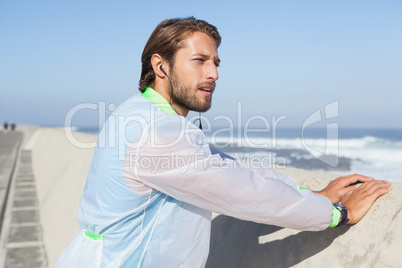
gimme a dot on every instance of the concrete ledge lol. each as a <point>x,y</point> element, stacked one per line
<point>376,241</point>
<point>60,169</point>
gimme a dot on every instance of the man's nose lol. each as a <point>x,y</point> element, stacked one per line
<point>212,72</point>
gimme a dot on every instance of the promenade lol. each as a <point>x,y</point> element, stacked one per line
<point>21,238</point>
<point>42,177</point>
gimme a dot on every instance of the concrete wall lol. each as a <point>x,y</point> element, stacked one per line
<point>376,241</point>
<point>61,168</point>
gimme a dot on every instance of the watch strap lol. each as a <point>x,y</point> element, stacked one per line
<point>344,214</point>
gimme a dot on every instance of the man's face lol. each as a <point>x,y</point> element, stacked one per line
<point>194,73</point>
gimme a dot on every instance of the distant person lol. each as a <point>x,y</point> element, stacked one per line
<point>148,199</point>
<point>13,126</point>
<point>5,125</point>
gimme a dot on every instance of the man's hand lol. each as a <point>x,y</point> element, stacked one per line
<point>362,198</point>
<point>342,186</point>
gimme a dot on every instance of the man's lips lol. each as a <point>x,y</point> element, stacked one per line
<point>207,88</point>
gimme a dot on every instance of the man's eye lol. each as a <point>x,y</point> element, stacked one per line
<point>200,59</point>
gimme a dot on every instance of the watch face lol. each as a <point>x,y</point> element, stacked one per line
<point>339,206</point>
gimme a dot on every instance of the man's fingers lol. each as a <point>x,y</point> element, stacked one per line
<point>353,179</point>
<point>383,190</point>
<point>342,186</point>
<point>369,192</point>
<point>356,178</point>
<point>376,188</point>
<point>349,189</point>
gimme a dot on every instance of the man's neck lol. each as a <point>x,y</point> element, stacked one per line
<point>164,92</point>
<point>179,110</point>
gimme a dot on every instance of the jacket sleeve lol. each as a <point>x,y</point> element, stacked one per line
<point>260,169</point>
<point>173,157</point>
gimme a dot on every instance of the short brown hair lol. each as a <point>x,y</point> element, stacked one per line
<point>167,39</point>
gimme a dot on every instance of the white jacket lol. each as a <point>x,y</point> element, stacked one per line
<point>153,183</point>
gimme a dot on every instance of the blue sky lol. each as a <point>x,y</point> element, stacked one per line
<point>279,58</point>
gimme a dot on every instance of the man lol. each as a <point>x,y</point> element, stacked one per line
<point>150,190</point>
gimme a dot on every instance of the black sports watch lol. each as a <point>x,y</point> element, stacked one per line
<point>344,213</point>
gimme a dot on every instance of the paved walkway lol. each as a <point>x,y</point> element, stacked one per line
<point>9,146</point>
<point>21,239</point>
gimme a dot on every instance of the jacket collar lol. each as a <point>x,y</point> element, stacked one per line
<point>157,98</point>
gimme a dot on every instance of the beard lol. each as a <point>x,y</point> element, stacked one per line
<point>185,96</point>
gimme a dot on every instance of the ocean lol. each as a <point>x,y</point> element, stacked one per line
<point>372,152</point>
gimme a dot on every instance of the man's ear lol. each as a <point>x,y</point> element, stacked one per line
<point>156,62</point>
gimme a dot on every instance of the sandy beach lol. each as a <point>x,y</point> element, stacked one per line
<point>60,169</point>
